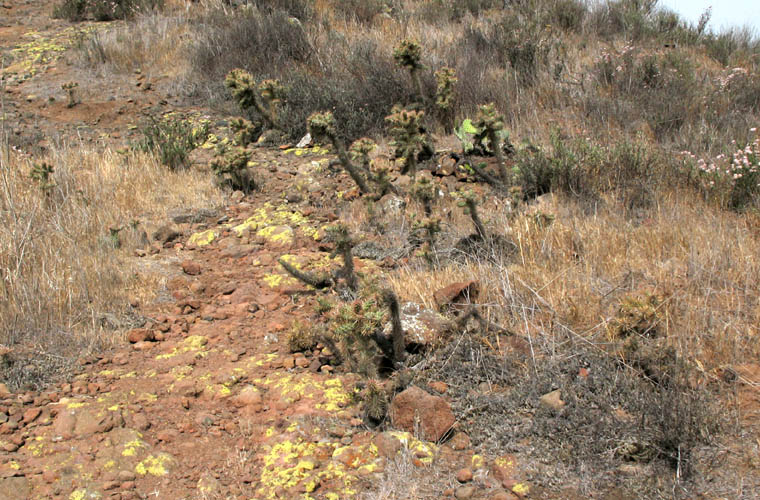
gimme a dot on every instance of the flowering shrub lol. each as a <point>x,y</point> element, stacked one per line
<point>735,177</point>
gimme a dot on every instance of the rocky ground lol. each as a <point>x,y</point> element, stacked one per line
<point>206,400</point>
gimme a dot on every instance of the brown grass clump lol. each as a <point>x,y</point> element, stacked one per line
<point>66,248</point>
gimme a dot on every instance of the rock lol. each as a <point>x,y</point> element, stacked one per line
<point>31,415</point>
<point>464,492</point>
<point>456,295</point>
<point>166,234</point>
<point>305,141</point>
<point>4,392</point>
<point>460,441</point>
<point>249,396</point>
<point>439,387</point>
<point>464,475</point>
<point>140,422</point>
<point>139,335</point>
<point>414,407</point>
<point>387,444</point>
<point>64,424</point>
<point>422,326</point>
<point>191,267</point>
<point>391,204</point>
<point>552,401</point>
<point>185,216</point>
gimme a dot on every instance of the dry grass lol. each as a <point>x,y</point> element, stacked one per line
<point>569,278</point>
<point>65,279</point>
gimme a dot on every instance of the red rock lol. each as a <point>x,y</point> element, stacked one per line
<point>128,485</point>
<point>456,294</point>
<point>139,335</point>
<point>64,424</point>
<point>464,475</point>
<point>9,447</point>
<point>31,415</point>
<point>249,396</point>
<point>191,267</point>
<point>387,445</point>
<point>143,346</point>
<point>414,406</point>
<point>439,387</point>
<point>140,422</point>
<point>49,476</point>
<point>460,441</point>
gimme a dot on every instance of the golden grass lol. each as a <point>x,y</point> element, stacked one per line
<point>569,278</point>
<point>59,269</point>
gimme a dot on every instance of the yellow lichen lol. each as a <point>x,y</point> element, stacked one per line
<point>75,405</point>
<point>521,489</point>
<point>154,465</point>
<point>130,448</point>
<point>78,495</point>
<point>193,343</point>
<point>203,238</point>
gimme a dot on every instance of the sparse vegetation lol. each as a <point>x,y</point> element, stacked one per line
<point>603,195</point>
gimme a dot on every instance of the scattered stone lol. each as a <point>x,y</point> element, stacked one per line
<point>460,441</point>
<point>414,407</point>
<point>552,400</point>
<point>191,267</point>
<point>31,415</point>
<point>464,492</point>
<point>139,335</point>
<point>439,387</point>
<point>464,475</point>
<point>456,295</point>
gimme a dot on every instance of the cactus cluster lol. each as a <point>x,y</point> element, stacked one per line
<point>70,89</point>
<point>405,126</point>
<point>408,55</point>
<point>265,97</point>
<point>231,167</point>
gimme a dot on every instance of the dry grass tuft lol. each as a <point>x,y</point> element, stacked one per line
<point>67,244</point>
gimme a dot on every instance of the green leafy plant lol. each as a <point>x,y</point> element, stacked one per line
<point>405,126</point>
<point>322,126</point>
<point>172,138</point>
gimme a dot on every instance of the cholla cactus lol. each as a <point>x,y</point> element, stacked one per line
<point>42,173</point>
<point>409,55</point>
<point>361,149</point>
<point>444,95</point>
<point>264,97</point>
<point>491,124</point>
<point>468,202</point>
<point>430,227</point>
<point>245,131</point>
<point>322,126</point>
<point>424,191</point>
<point>231,167</point>
<point>408,139</point>
<point>343,246</point>
<point>70,89</point>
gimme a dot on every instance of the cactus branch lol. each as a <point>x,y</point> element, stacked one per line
<point>316,281</point>
<point>397,331</point>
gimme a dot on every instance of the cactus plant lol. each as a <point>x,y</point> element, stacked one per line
<point>245,131</point>
<point>70,89</point>
<point>360,151</point>
<point>444,96</point>
<point>408,55</point>
<point>322,125</point>
<point>405,126</point>
<point>264,97</point>
<point>491,124</point>
<point>231,167</point>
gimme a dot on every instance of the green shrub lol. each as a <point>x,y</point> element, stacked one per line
<point>172,138</point>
